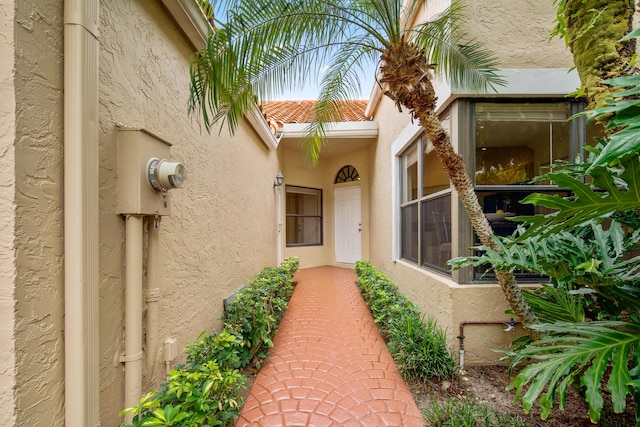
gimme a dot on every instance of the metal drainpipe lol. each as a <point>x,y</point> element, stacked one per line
<point>509,324</point>
<point>81,244</point>
<point>133,312</point>
<point>152,295</point>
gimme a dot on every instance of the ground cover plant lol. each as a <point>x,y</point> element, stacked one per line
<point>468,413</point>
<point>206,389</point>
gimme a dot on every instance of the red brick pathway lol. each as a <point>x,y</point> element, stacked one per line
<point>329,365</point>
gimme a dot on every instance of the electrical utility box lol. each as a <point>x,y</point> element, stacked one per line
<point>136,196</point>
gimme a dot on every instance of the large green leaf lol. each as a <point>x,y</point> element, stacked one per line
<point>607,195</point>
<point>626,136</point>
<point>563,354</point>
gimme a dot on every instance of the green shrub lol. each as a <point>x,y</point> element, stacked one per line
<point>194,395</point>
<point>417,345</point>
<point>464,413</point>
<point>205,390</point>
<point>257,311</point>
<point>419,348</point>
<point>225,347</point>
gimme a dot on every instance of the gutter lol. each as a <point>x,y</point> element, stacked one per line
<point>191,20</point>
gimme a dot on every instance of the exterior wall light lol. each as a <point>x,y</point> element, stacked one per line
<point>279,179</point>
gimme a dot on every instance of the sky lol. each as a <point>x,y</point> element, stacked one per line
<point>312,90</point>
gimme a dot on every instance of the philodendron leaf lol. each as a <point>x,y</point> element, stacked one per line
<point>590,266</point>
<point>601,200</point>
<point>627,139</point>
<point>566,350</point>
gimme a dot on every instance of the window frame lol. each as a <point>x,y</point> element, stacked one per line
<point>418,142</point>
<point>320,216</point>
<point>577,135</point>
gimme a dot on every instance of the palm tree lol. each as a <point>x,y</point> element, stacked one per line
<point>268,45</point>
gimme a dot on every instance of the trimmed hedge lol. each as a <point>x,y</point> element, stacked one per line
<point>416,343</point>
<point>205,391</point>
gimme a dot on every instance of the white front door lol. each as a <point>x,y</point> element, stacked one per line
<point>348,224</point>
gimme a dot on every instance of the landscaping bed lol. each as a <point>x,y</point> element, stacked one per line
<point>449,397</point>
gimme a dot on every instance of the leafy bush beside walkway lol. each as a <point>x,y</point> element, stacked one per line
<point>206,389</point>
<point>416,343</point>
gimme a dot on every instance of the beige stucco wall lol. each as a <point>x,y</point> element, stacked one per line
<point>222,228</point>
<point>7,224</point>
<point>221,232</point>
<point>39,287</point>
<point>518,33</point>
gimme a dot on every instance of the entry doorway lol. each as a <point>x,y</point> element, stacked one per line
<point>348,224</point>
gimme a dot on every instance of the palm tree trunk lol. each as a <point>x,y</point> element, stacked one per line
<point>407,73</point>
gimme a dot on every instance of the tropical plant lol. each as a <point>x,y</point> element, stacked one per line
<point>264,46</point>
<point>194,395</point>
<point>588,247</point>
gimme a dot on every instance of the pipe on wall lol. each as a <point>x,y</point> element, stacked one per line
<point>152,294</point>
<point>81,214</point>
<point>279,225</point>
<point>133,312</point>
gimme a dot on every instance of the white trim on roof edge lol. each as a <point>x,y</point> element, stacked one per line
<point>189,17</point>
<point>336,130</point>
<point>522,82</point>
<point>259,124</point>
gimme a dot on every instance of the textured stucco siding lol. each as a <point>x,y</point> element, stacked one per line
<point>7,191</point>
<point>39,290</point>
<point>221,231</point>
<point>518,33</point>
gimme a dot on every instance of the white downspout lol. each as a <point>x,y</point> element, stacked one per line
<point>81,245</point>
<point>133,312</point>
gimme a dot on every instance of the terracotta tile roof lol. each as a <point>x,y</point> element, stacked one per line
<point>302,111</point>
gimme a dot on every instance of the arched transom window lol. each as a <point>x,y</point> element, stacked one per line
<point>346,174</point>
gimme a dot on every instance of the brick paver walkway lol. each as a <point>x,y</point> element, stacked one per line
<point>329,365</point>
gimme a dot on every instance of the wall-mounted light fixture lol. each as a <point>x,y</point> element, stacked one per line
<point>279,179</point>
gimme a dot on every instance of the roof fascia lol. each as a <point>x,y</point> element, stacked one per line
<point>347,130</point>
<point>191,20</point>
<point>520,83</point>
<point>259,124</point>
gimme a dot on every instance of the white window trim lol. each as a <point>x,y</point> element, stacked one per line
<point>404,139</point>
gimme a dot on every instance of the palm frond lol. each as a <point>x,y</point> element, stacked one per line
<point>264,47</point>
<point>340,84</point>
<point>463,63</point>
